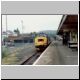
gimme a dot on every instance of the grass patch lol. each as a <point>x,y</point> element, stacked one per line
<point>10,59</point>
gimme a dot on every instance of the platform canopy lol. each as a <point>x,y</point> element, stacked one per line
<point>68,23</point>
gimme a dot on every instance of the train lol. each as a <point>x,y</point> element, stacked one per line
<point>42,41</point>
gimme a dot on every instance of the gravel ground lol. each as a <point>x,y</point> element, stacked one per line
<point>19,54</point>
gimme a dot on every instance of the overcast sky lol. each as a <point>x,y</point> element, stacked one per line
<point>31,23</point>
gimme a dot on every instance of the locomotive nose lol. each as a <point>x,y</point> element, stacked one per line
<point>40,40</point>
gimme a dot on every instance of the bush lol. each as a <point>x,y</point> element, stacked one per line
<point>4,52</point>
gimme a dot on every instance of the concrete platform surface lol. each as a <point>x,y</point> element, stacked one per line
<point>58,54</point>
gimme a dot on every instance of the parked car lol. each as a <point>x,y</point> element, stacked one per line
<point>10,43</point>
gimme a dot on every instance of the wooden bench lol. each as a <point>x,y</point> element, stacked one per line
<point>72,44</point>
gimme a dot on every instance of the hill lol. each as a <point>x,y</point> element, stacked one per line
<point>51,33</point>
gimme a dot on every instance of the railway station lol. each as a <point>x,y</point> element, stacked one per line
<point>39,39</point>
<point>42,48</point>
<point>21,42</point>
<point>63,51</point>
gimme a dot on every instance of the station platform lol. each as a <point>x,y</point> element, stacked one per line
<point>58,54</point>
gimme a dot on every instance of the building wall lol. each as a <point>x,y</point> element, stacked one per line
<point>74,36</point>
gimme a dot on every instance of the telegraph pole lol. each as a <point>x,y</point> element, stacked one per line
<point>6,25</point>
<point>6,29</point>
<point>22,30</point>
<point>22,26</point>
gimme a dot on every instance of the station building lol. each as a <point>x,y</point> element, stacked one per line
<point>68,30</point>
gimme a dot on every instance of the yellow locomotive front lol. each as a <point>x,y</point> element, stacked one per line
<point>41,42</point>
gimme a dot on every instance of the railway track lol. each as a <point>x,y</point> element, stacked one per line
<point>31,59</point>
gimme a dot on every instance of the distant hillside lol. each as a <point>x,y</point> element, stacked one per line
<point>51,33</point>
